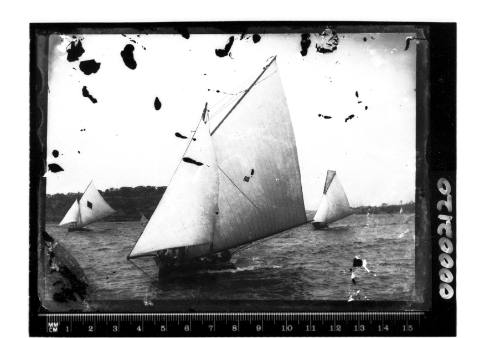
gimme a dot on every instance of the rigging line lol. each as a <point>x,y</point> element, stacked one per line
<point>222,103</point>
<point>151,279</point>
<point>171,177</point>
<point>244,94</point>
<point>230,180</point>
<point>223,106</point>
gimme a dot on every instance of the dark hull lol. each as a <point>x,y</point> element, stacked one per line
<point>320,225</point>
<point>70,229</point>
<point>168,272</point>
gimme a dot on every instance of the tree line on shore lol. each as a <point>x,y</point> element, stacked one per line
<point>130,202</point>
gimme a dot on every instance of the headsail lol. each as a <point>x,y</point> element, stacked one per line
<point>73,214</point>
<point>186,213</point>
<point>92,206</point>
<point>260,191</point>
<point>334,204</point>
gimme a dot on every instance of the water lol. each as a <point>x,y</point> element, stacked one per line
<point>300,264</point>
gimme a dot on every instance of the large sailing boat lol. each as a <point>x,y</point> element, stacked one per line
<point>333,205</point>
<point>91,208</point>
<point>238,181</point>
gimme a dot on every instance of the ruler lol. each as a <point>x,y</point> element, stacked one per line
<point>232,324</point>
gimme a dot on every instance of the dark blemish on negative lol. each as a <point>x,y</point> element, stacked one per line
<point>246,178</point>
<point>83,129</point>
<point>357,95</point>
<point>360,102</point>
<point>366,107</point>
<point>184,32</point>
<point>55,153</point>
<point>256,38</point>
<point>74,50</point>
<point>305,42</point>
<point>364,39</point>
<point>349,117</point>
<point>407,41</point>
<point>190,160</point>
<point>252,172</point>
<point>86,93</point>
<point>157,103</point>
<point>128,56</point>
<point>329,41</point>
<point>371,37</point>
<point>179,135</point>
<point>224,52</point>
<point>217,91</point>
<point>78,151</point>
<point>194,138</point>
<point>89,66</point>
<point>55,168</point>
<point>326,117</point>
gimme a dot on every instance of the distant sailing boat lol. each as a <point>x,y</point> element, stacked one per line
<point>143,220</point>
<point>334,204</point>
<point>238,181</point>
<point>91,208</point>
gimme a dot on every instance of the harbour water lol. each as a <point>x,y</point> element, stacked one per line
<point>299,264</point>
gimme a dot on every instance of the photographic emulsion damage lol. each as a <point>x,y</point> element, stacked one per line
<point>242,178</point>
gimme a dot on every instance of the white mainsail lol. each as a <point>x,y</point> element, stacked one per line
<point>92,206</point>
<point>334,204</point>
<point>187,210</point>
<point>248,187</point>
<point>73,214</point>
<point>260,191</point>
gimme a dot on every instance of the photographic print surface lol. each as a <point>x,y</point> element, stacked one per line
<point>288,157</point>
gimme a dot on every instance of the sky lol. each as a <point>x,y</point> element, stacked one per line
<point>122,140</point>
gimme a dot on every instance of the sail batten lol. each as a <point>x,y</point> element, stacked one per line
<point>334,204</point>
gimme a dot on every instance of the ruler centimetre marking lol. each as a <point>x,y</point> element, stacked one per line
<point>231,324</point>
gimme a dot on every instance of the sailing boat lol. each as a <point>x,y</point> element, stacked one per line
<point>91,208</point>
<point>143,220</point>
<point>237,182</point>
<point>333,205</point>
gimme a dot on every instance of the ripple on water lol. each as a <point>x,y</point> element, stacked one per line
<point>300,264</point>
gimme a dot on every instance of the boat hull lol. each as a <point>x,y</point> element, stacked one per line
<point>320,225</point>
<point>168,270</point>
<point>71,229</point>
